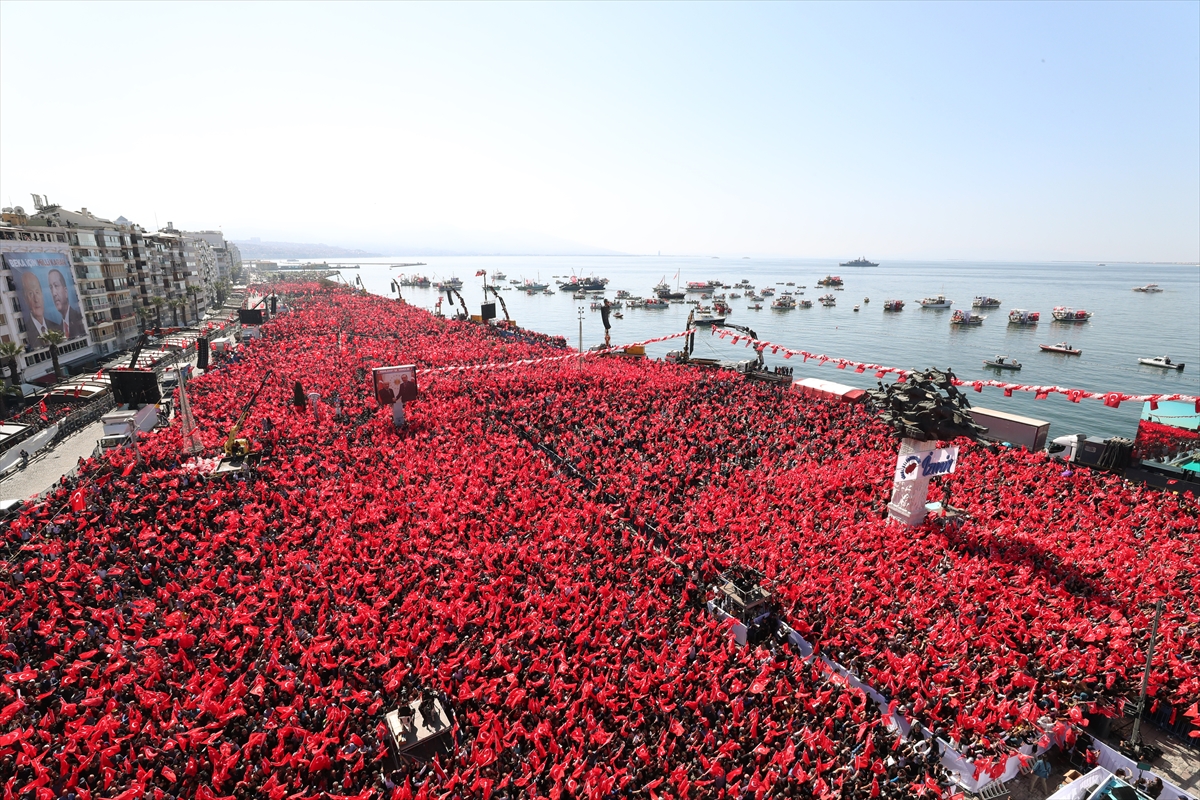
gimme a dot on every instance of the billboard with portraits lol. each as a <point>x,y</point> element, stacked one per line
<point>45,287</point>
<point>395,383</point>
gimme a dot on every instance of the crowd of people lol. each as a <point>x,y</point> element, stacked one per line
<point>167,634</point>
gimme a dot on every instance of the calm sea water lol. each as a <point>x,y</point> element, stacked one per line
<point>1126,324</point>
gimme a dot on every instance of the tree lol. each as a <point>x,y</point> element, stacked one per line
<point>158,303</point>
<point>9,352</point>
<point>53,339</point>
<point>193,291</point>
<point>175,304</point>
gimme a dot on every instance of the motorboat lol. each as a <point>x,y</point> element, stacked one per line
<point>656,302</point>
<point>579,296</point>
<point>983,301</point>
<point>791,283</point>
<point>599,304</point>
<point>755,307</point>
<point>827,300</point>
<point>577,284</point>
<point>936,301</point>
<point>893,305</point>
<point>830,281</point>
<point>498,276</point>
<point>784,303</point>
<point>1002,362</point>
<point>534,286</point>
<point>861,261</point>
<point>744,283</point>
<point>1065,314</point>
<point>1061,347</point>
<point>1163,362</point>
<point>734,296</point>
<point>708,319</point>
<point>804,304</point>
<point>961,317</point>
<point>856,308</point>
<point>622,294</point>
<point>768,292</point>
<point>721,307</point>
<point>452,283</point>
<point>702,286</point>
<point>756,298</point>
<point>866,299</point>
<point>1149,288</point>
<point>1019,316</point>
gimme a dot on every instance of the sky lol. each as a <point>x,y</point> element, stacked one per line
<point>1007,131</point>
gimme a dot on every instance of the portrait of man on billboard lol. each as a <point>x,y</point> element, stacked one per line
<point>46,291</point>
<point>395,383</point>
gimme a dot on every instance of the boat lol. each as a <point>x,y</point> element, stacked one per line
<point>721,307</point>
<point>1149,288</point>
<point>983,301</point>
<point>1065,314</point>
<point>452,283</point>
<point>756,298</point>
<point>577,284</point>
<point>622,294</point>
<point>498,276</point>
<point>893,305</point>
<point>866,299</point>
<point>579,296</point>
<point>707,319</point>
<point>755,307</point>
<point>856,308</point>
<point>662,286</point>
<point>656,302</point>
<point>791,283</point>
<point>669,295</point>
<point>702,286</point>
<point>829,280</point>
<point>734,296</point>
<point>936,301</point>
<point>534,286</point>
<point>1161,361</point>
<point>744,283</point>
<point>861,261</point>
<point>1002,362</point>
<point>961,317</point>
<point>597,305</point>
<point>784,303</point>
<point>804,304</point>
<point>768,292</point>
<point>827,300</point>
<point>1019,316</point>
<point>1061,347</point>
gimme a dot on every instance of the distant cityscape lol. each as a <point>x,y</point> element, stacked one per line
<point>87,286</point>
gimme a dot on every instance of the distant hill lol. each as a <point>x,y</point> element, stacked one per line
<point>271,250</point>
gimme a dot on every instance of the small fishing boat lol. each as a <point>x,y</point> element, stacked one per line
<point>805,304</point>
<point>656,302</point>
<point>618,315</point>
<point>866,299</point>
<point>1161,361</point>
<point>768,292</point>
<point>893,305</point>
<point>755,298</point>
<point>1065,314</point>
<point>1061,347</point>
<point>707,319</point>
<point>1002,362</point>
<point>1149,288</point>
<point>784,303</point>
<point>734,296</point>
<point>856,308</point>
<point>936,301</point>
<point>755,307</point>
<point>622,294</point>
<point>983,301</point>
<point>1020,316</point>
<point>830,281</point>
<point>827,300</point>
<point>960,317</point>
<point>578,296</point>
<point>498,276</point>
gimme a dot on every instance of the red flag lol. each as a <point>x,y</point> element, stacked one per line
<point>1112,399</point>
<point>43,410</point>
<point>1074,395</point>
<point>78,500</point>
<point>1008,392</point>
<point>1041,395</point>
<point>481,272</point>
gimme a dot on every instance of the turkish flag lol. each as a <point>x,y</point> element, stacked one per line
<point>1112,399</point>
<point>43,410</point>
<point>78,500</point>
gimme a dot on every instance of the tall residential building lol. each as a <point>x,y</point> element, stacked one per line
<point>39,292</point>
<point>103,258</point>
<point>226,254</point>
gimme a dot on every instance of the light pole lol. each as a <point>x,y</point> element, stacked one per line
<point>581,338</point>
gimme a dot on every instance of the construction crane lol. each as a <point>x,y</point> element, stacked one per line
<point>503,305</point>
<point>240,448</point>
<point>752,335</point>
<point>451,293</point>
<point>137,349</point>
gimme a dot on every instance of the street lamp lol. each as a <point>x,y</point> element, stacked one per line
<point>581,338</point>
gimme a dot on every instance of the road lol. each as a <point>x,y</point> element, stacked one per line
<point>47,468</point>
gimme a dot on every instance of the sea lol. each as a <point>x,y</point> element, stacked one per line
<point>1125,324</point>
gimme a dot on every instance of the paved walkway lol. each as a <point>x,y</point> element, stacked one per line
<point>49,466</point>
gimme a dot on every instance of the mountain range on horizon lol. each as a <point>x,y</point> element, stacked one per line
<point>437,242</point>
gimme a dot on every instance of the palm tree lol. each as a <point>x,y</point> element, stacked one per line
<point>53,339</point>
<point>158,303</point>
<point>193,291</point>
<point>8,354</point>
<point>175,304</point>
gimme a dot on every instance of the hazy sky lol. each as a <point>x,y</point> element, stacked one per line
<point>948,130</point>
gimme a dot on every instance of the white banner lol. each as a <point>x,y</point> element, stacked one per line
<point>911,466</point>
